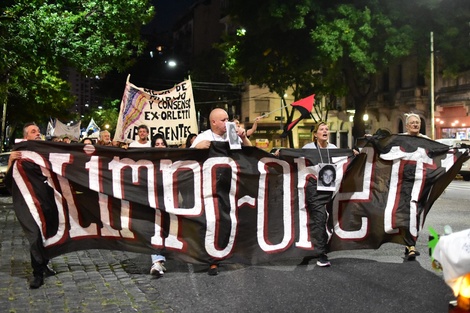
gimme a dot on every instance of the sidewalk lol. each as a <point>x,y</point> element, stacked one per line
<point>115,281</point>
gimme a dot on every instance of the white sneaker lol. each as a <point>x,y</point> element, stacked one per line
<point>157,269</point>
<point>323,261</point>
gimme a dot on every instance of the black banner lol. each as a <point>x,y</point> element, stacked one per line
<point>244,206</point>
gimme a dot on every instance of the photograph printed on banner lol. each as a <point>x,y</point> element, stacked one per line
<point>326,177</point>
<point>232,134</point>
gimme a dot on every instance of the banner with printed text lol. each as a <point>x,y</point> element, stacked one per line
<point>170,113</point>
<point>245,206</point>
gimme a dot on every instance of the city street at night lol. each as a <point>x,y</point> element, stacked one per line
<point>114,281</point>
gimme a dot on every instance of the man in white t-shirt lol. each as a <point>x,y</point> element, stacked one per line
<point>218,131</point>
<point>143,141</point>
<point>158,260</point>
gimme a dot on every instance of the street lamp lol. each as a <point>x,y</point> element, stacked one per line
<point>432,88</point>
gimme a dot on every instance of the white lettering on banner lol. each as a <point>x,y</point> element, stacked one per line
<point>287,207</point>
<point>126,220</point>
<point>118,165</point>
<point>31,200</point>
<point>94,177</point>
<point>399,159</point>
<point>169,169</point>
<point>209,169</point>
<point>204,179</point>
<point>361,196</point>
<point>95,183</point>
<point>58,162</point>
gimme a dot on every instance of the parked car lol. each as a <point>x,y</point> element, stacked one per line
<point>3,168</point>
<point>458,143</point>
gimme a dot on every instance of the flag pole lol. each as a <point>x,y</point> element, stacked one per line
<point>432,88</point>
<point>266,114</point>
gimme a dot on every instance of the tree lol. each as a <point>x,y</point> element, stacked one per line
<point>107,114</point>
<point>272,47</point>
<point>451,27</point>
<point>333,48</point>
<point>40,37</point>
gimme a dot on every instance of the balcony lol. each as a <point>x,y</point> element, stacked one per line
<point>449,96</point>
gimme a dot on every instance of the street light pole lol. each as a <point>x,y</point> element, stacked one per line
<point>4,114</point>
<point>432,88</point>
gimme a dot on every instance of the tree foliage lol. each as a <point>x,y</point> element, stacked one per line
<point>108,114</point>
<point>336,48</point>
<point>38,38</point>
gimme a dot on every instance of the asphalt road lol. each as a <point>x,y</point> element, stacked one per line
<point>115,281</point>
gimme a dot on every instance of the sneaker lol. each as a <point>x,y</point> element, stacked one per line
<point>411,253</point>
<point>323,261</point>
<point>213,270</point>
<point>157,269</point>
<point>414,248</point>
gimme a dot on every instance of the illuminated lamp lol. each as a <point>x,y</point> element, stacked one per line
<point>463,299</point>
<point>462,304</point>
<point>453,255</point>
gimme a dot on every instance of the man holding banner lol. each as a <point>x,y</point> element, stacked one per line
<point>38,263</point>
<point>218,132</point>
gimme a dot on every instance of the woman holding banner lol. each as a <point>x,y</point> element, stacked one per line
<point>318,196</point>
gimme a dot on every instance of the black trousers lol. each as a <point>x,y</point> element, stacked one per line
<point>38,268</point>
<point>317,208</point>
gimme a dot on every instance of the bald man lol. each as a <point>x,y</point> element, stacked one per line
<point>218,131</point>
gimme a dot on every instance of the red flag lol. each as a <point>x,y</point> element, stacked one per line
<point>305,106</point>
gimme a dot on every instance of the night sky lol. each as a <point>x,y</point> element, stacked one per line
<point>167,12</point>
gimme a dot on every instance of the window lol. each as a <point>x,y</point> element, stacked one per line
<point>333,138</point>
<point>343,140</point>
<point>262,105</point>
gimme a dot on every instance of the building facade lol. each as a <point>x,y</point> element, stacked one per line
<point>401,89</point>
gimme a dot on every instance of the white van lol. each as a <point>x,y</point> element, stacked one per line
<point>457,143</point>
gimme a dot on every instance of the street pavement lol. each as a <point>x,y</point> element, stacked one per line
<point>115,281</point>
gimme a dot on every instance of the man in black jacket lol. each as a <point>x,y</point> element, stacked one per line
<point>40,267</point>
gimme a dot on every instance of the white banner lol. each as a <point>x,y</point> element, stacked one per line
<point>168,112</point>
<point>93,130</point>
<point>63,130</point>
